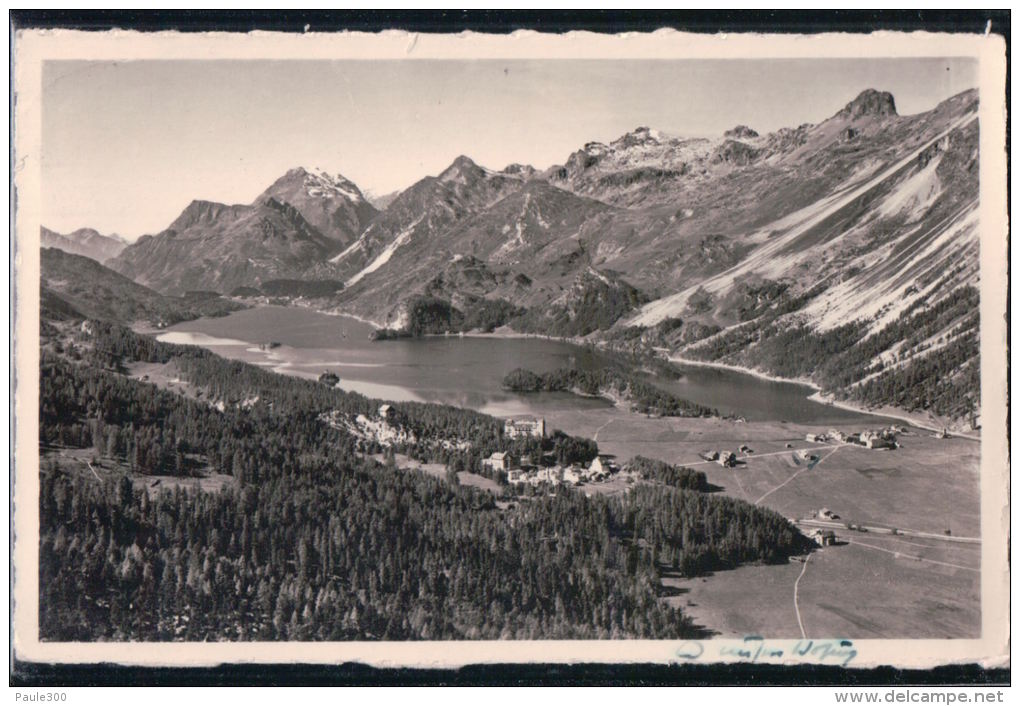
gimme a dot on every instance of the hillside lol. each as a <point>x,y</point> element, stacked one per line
<point>377,552</point>
<point>74,286</point>
<point>841,230</point>
<point>864,289</point>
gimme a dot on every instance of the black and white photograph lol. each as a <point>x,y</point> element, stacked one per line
<point>672,346</point>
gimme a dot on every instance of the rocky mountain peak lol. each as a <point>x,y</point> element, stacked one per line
<point>640,136</point>
<point>525,171</point>
<point>316,183</point>
<point>460,169</point>
<point>869,102</point>
<point>740,132</point>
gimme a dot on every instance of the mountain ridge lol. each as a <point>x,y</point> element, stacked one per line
<point>83,241</point>
<point>841,223</point>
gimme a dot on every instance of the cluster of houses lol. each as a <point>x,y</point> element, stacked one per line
<point>871,438</point>
<point>525,472</point>
<point>727,459</point>
<point>823,537</point>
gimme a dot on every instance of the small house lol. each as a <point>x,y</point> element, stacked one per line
<point>386,412</point>
<point>824,537</point>
<point>710,455</point>
<point>498,461</point>
<point>727,458</point>
<point>552,475</point>
<point>878,440</point>
<point>597,467</point>
<point>516,476</point>
<point>816,438</point>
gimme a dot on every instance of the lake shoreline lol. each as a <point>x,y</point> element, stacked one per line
<point>913,419</point>
<point>297,328</point>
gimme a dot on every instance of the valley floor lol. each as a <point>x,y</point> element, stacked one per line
<point>872,583</point>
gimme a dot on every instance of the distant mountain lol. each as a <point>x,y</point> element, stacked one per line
<point>422,212</point>
<point>74,285</point>
<point>332,204</point>
<point>516,227</point>
<point>840,229</point>
<point>382,201</point>
<point>820,239</point>
<point>288,232</point>
<point>84,241</point>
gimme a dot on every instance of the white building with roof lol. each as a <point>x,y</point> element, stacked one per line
<point>519,427</point>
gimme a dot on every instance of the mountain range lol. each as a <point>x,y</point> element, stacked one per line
<point>84,241</point>
<point>851,240</point>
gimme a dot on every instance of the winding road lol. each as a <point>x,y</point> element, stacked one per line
<point>796,586</point>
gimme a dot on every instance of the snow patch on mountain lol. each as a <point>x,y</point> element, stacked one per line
<point>356,245</point>
<point>384,257</point>
<point>320,183</point>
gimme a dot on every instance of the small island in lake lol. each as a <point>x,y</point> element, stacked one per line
<point>643,397</point>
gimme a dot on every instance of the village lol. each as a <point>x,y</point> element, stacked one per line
<point>528,470</point>
<point>869,439</point>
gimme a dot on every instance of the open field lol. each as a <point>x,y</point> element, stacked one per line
<point>928,485</point>
<point>872,587</point>
<point>102,468</point>
<point>877,585</point>
<point>438,470</point>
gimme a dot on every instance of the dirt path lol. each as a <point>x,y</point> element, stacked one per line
<point>796,586</point>
<point>914,557</point>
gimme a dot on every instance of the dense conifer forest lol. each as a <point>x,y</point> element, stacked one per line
<point>313,540</point>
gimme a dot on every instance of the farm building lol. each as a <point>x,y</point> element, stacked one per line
<point>878,440</point>
<point>823,537</point>
<point>524,426</point>
<point>816,438</point>
<point>726,458</point>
